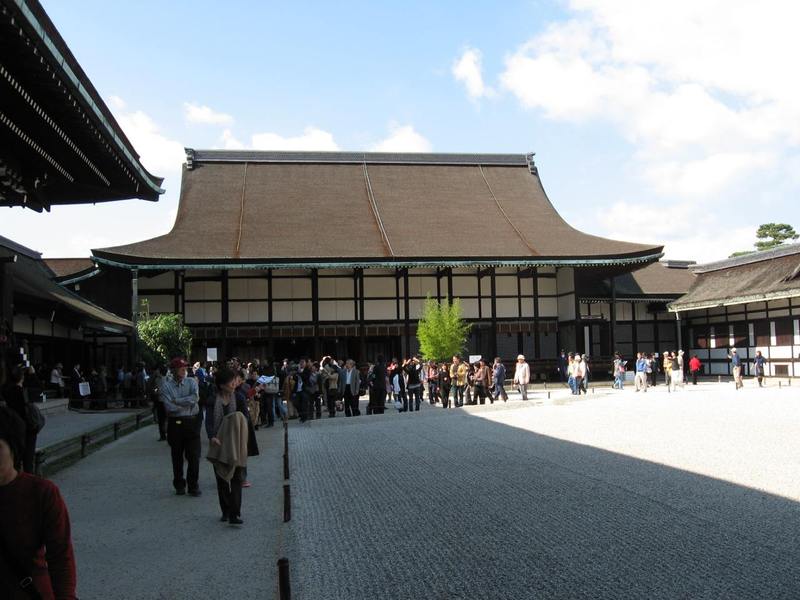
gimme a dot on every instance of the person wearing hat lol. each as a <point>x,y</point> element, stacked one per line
<point>736,363</point>
<point>181,398</point>
<point>522,376</point>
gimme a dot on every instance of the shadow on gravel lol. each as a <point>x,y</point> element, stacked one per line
<point>441,505</point>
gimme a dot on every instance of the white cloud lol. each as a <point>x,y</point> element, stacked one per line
<point>701,89</point>
<point>468,70</point>
<point>196,113</point>
<point>312,138</point>
<point>117,102</point>
<point>402,138</point>
<point>230,142</point>
<point>675,225</point>
<point>160,154</point>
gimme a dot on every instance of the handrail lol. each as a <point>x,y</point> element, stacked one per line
<point>56,456</point>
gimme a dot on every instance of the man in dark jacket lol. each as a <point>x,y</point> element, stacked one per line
<point>350,388</point>
<point>377,386</point>
<point>303,389</point>
<point>498,380</point>
<point>413,368</point>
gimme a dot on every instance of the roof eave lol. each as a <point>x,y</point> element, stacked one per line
<point>130,262</point>
<point>72,74</point>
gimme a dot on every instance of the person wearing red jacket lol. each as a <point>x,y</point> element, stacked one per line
<point>694,368</point>
<point>35,538</point>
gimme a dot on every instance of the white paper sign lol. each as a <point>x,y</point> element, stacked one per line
<point>473,358</point>
<point>211,354</point>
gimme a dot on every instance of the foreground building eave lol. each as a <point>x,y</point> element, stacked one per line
<point>155,264</point>
<point>60,142</point>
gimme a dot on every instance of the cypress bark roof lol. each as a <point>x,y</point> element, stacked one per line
<point>658,280</point>
<point>288,208</point>
<point>754,277</point>
<point>65,267</point>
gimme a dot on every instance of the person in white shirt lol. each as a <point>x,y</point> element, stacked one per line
<point>57,379</point>
<point>522,376</point>
<point>580,373</point>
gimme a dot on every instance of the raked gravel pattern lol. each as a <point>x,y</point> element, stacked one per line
<point>687,495</point>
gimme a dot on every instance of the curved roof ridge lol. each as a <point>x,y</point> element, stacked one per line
<point>746,259</point>
<point>412,158</point>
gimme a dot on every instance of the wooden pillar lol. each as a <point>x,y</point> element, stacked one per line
<point>406,319</point>
<point>133,353</point>
<point>634,333</point>
<point>537,345</point>
<point>224,346</point>
<point>612,334</point>
<point>270,331</point>
<point>493,302</point>
<point>362,328</point>
<point>315,311</point>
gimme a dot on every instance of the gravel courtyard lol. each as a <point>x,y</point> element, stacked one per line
<point>618,495</point>
<point>694,494</point>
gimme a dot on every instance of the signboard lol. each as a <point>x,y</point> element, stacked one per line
<point>473,358</point>
<point>211,354</point>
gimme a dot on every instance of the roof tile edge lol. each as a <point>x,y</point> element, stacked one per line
<point>746,259</point>
<point>194,156</point>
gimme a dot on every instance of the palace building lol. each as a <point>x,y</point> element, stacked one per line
<point>751,303</point>
<point>289,253</point>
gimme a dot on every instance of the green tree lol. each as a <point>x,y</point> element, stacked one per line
<point>163,337</point>
<point>774,234</point>
<point>441,331</point>
<point>769,236</point>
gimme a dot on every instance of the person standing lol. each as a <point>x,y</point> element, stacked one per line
<point>677,374</point>
<point>159,413</point>
<point>57,379</point>
<point>522,376</point>
<point>736,363</point>
<point>482,383</point>
<point>302,392</point>
<point>458,380</point>
<point>35,537</point>
<point>433,382</point>
<point>444,382</point>
<point>667,366</point>
<point>681,368</point>
<point>652,368</point>
<point>641,372</point>
<point>230,445</point>
<point>349,387</point>
<point>378,386</point>
<point>76,379</point>
<point>571,367</point>
<point>578,371</point>
<point>498,379</point>
<point>759,362</point>
<point>14,395</point>
<point>563,363</point>
<point>413,371</point>
<point>181,399</point>
<point>694,368</point>
<point>619,371</point>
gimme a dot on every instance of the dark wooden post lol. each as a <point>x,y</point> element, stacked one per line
<point>224,346</point>
<point>612,334</point>
<point>315,310</point>
<point>493,289</point>
<point>406,319</point>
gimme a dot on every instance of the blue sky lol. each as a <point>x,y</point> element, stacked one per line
<point>677,124</point>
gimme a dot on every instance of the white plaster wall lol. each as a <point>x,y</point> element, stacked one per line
<point>203,290</point>
<point>163,280</point>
